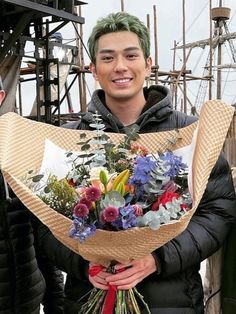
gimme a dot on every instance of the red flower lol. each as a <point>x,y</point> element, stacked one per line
<point>71,183</point>
<point>163,199</point>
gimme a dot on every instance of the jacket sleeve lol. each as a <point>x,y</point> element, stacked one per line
<point>208,227</point>
<point>61,256</point>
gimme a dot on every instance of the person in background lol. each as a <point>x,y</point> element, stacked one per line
<point>168,278</point>
<point>228,278</point>
<point>23,285</point>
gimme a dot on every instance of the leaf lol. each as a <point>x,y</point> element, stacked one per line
<point>69,154</point>
<point>37,178</point>
<point>47,189</point>
<point>85,147</point>
<point>97,142</point>
<point>113,198</point>
<point>83,135</point>
<point>97,126</point>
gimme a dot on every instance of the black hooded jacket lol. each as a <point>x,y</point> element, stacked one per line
<point>177,288</point>
<point>22,282</point>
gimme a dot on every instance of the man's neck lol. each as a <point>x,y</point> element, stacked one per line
<point>127,111</point>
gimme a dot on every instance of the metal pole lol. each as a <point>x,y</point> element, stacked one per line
<point>219,58</point>
<point>184,61</point>
<point>210,51</point>
<point>155,43</point>
<point>122,5</point>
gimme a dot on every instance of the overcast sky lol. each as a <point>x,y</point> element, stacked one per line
<point>169,29</point>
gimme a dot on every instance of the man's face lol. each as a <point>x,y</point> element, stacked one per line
<point>2,96</point>
<point>120,66</point>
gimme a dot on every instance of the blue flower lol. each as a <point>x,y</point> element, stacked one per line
<point>127,218</point>
<point>143,166</point>
<point>80,230</point>
<point>174,164</point>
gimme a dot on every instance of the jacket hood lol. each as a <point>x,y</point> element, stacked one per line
<point>157,108</point>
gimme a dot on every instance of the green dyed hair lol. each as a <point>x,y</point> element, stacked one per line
<point>118,22</point>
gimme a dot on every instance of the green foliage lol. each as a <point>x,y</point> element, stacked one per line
<point>59,195</point>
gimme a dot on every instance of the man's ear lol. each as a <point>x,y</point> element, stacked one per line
<point>2,96</point>
<point>92,68</point>
<point>149,66</point>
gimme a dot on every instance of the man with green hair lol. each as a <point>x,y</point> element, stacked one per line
<point>168,278</point>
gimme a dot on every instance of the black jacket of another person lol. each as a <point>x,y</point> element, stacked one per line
<point>22,284</point>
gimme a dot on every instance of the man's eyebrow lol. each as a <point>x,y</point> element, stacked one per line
<point>107,50</point>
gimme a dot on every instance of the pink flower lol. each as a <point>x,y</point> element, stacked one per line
<point>80,210</point>
<point>93,194</point>
<point>138,211</point>
<point>110,214</point>
<point>86,202</point>
<point>137,149</point>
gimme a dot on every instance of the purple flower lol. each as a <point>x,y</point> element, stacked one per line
<point>80,230</point>
<point>143,166</point>
<point>110,214</point>
<point>126,219</point>
<point>80,210</point>
<point>175,163</point>
<point>86,201</point>
<point>93,194</point>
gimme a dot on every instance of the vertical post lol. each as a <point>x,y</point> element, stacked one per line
<point>122,7</point>
<point>219,58</point>
<point>47,80</point>
<point>174,87</point>
<point>148,22</point>
<point>84,100</point>
<point>155,44</point>
<point>20,97</point>
<point>80,63</point>
<point>184,63</point>
<point>210,51</point>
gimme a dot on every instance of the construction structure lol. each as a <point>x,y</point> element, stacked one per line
<point>37,21</point>
<point>219,35</point>
<point>40,21</point>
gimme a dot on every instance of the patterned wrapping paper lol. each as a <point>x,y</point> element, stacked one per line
<point>22,148</point>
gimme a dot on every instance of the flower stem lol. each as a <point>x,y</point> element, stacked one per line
<point>92,301</point>
<point>134,302</point>
<point>142,300</point>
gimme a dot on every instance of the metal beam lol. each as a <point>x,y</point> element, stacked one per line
<point>47,10</point>
<point>205,42</point>
<point>20,26</point>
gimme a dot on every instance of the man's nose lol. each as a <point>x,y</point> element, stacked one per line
<point>120,64</point>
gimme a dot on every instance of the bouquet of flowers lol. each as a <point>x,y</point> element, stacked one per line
<point>115,187</point>
<point>142,195</point>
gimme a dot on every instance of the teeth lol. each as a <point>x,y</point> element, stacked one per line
<point>122,80</point>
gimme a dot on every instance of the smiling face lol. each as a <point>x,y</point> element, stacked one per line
<point>121,67</point>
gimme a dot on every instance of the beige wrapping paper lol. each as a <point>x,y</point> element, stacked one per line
<point>22,148</point>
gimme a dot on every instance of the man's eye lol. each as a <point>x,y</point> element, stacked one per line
<point>131,56</point>
<point>107,58</point>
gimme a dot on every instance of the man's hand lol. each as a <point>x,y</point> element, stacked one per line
<point>99,281</point>
<point>134,272</point>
